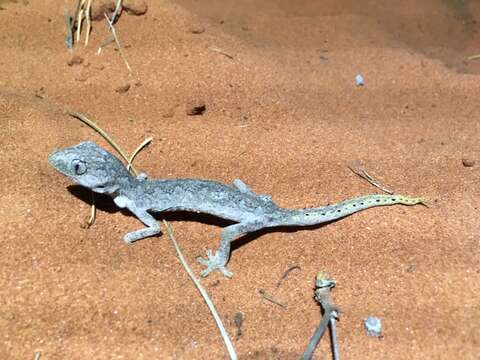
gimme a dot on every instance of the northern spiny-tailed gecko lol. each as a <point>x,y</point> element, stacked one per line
<point>91,166</point>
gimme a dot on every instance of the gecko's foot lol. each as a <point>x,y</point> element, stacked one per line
<point>214,262</point>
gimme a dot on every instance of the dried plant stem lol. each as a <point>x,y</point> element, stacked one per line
<point>120,50</point>
<point>69,26</point>
<point>118,7</point>
<point>95,127</point>
<point>137,150</point>
<point>93,212</point>
<point>79,15</point>
<point>360,171</point>
<point>330,314</point>
<point>473,57</point>
<point>89,23</point>
<point>203,292</point>
<point>220,51</point>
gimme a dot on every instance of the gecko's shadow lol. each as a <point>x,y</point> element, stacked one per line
<point>102,202</point>
<point>105,203</point>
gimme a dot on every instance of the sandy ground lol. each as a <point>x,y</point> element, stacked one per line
<point>283,114</point>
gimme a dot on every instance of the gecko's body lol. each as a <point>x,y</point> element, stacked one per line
<point>91,166</point>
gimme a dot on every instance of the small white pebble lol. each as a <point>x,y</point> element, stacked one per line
<point>373,325</point>
<point>359,80</point>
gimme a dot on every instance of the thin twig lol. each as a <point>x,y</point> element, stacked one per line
<point>333,336</point>
<point>89,23</point>
<point>120,50</point>
<point>285,274</point>
<point>95,127</point>
<point>330,314</point>
<point>473,57</point>
<point>220,51</point>
<point>360,171</point>
<point>203,292</point>
<point>79,16</point>
<point>137,150</point>
<point>93,212</point>
<point>118,7</point>
<point>110,40</point>
<point>38,355</point>
<point>270,298</point>
<point>69,25</point>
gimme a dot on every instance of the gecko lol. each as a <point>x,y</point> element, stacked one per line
<point>90,166</point>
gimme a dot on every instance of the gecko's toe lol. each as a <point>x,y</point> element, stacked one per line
<point>128,239</point>
<point>202,261</point>
<point>214,262</point>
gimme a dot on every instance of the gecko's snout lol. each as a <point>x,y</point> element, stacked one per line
<point>55,159</point>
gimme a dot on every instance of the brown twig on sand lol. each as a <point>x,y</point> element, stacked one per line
<point>285,274</point>
<point>220,51</point>
<point>270,298</point>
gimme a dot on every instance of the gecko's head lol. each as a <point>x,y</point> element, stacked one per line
<point>89,165</point>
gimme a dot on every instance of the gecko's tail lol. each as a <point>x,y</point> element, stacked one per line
<point>314,216</point>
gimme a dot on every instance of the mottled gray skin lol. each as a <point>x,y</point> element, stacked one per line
<point>91,166</point>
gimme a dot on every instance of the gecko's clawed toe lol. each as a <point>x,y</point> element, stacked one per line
<point>214,262</point>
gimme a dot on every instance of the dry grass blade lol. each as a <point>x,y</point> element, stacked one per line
<point>473,57</point>
<point>93,212</point>
<point>118,6</point>
<point>120,50</point>
<point>270,298</point>
<point>69,26</point>
<point>203,292</point>
<point>220,51</point>
<point>89,22</point>
<point>137,150</point>
<point>360,171</point>
<point>95,127</point>
<point>79,15</point>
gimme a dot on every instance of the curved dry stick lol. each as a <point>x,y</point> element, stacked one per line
<point>203,292</point>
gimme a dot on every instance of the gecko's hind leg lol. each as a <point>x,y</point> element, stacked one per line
<point>218,260</point>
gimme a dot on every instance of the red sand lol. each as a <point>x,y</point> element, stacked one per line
<point>284,115</point>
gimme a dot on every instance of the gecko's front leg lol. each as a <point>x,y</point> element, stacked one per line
<point>152,225</point>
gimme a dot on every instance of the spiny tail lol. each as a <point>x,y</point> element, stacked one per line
<point>328,213</point>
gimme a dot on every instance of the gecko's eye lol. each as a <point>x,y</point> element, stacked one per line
<point>79,166</point>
